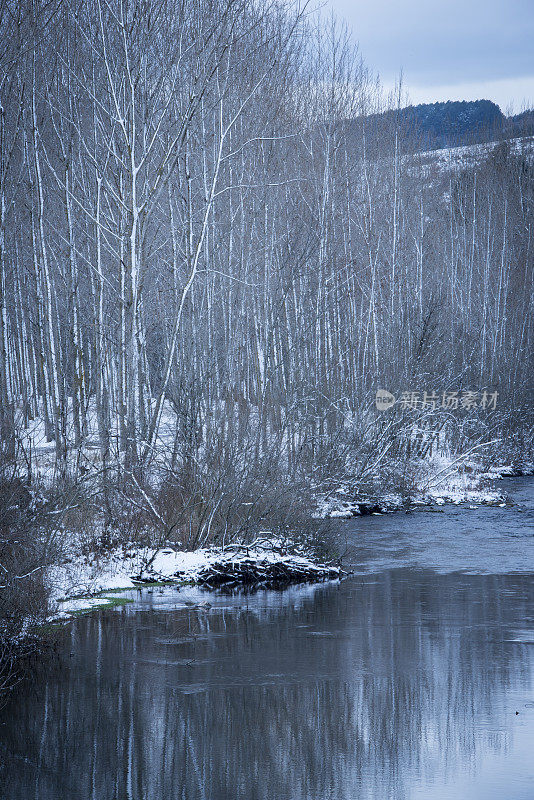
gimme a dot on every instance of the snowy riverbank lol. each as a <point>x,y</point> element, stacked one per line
<point>84,582</point>
<point>443,483</point>
<point>81,583</point>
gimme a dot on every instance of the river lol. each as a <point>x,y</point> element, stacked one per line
<point>413,679</point>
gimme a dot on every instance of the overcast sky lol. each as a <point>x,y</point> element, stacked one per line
<point>448,49</point>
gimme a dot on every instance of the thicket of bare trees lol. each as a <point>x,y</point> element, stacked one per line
<point>210,262</point>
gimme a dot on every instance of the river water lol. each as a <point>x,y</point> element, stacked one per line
<point>411,680</point>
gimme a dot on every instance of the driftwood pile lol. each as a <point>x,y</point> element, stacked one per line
<point>229,571</point>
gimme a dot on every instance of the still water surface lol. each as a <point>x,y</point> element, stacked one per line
<point>401,682</point>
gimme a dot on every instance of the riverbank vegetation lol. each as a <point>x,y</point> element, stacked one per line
<point>214,250</point>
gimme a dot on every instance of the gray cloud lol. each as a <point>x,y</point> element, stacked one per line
<point>444,42</point>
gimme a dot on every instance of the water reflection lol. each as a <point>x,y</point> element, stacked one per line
<point>399,685</point>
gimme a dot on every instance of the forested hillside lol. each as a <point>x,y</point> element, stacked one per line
<point>206,274</point>
<point>455,123</point>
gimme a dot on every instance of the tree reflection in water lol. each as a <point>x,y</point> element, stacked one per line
<point>361,690</point>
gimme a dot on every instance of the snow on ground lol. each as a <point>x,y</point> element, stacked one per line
<point>76,583</point>
<point>510,471</point>
<point>457,481</point>
<point>441,479</point>
<point>337,505</point>
<point>41,452</point>
<point>455,159</point>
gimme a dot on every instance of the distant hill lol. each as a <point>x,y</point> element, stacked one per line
<point>455,123</point>
<point>451,123</point>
